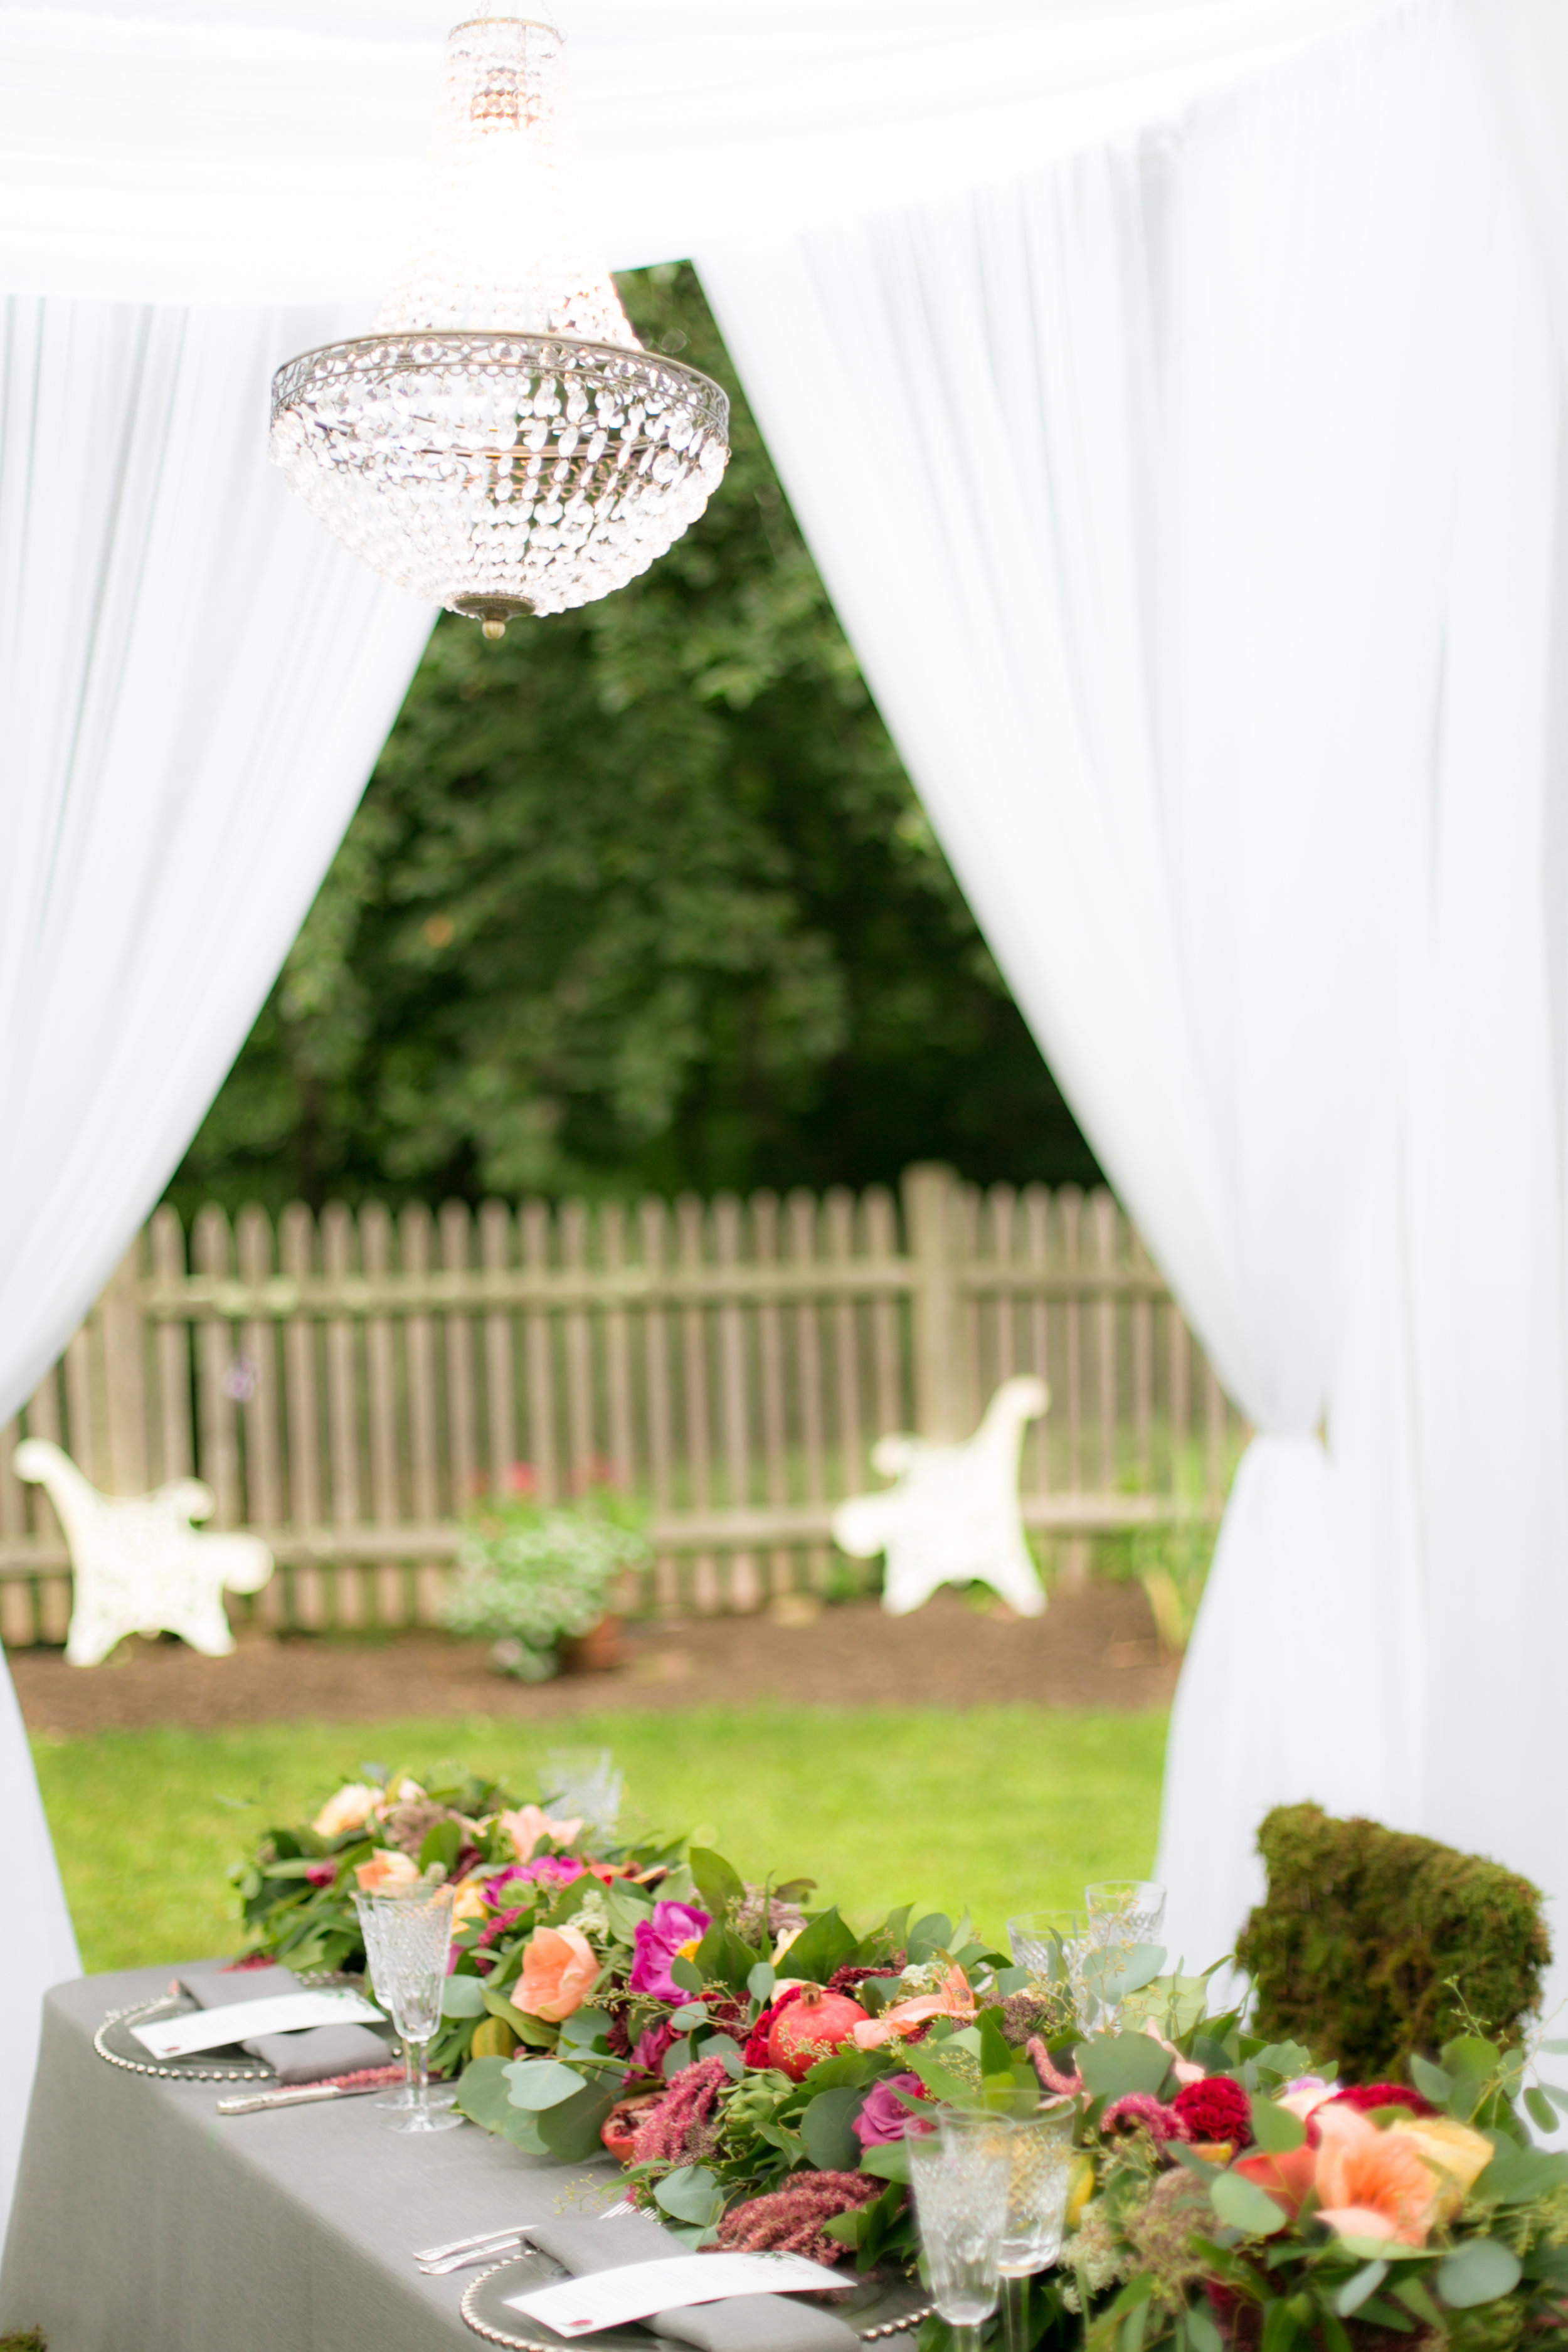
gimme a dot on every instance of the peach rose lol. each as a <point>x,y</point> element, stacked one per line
<point>386,1871</point>
<point>1372,2183</point>
<point>558,1972</point>
<point>348,1808</point>
<point>530,1825</point>
<point>956,1999</point>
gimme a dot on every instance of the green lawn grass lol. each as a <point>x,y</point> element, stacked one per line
<point>1004,1809</point>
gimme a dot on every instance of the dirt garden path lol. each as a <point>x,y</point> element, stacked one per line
<point>1094,1647</point>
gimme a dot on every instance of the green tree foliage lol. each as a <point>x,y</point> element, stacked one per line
<point>641,897</point>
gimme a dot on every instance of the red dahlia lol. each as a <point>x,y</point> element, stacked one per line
<point>1216,2109</point>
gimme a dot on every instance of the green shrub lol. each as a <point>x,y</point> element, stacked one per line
<point>531,1575</point>
<point>1366,1932</point>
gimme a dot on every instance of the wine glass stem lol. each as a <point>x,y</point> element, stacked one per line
<point>1015,2328</point>
<point>965,2338</point>
<point>418,2072</point>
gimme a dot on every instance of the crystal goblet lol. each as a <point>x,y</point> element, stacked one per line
<point>959,2176</point>
<point>1051,1946</point>
<point>1039,2151</point>
<point>1123,1912</point>
<point>406,1939</point>
<point>584,1782</point>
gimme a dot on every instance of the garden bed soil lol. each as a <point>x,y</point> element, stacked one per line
<point>1095,1647</point>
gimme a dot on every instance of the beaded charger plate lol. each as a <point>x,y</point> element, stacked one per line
<point>874,2307</point>
<point>115,2041</point>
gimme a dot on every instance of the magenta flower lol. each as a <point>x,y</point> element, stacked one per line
<point>885,2118</point>
<point>674,1927</point>
<point>651,2046</point>
<point>552,1870</point>
<point>321,1874</point>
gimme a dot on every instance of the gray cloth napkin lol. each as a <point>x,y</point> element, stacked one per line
<point>745,2323</point>
<point>307,2057</point>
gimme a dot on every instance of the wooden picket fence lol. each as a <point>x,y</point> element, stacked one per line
<point>349,1384</point>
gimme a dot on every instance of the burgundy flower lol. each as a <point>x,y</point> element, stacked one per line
<point>884,2116</point>
<point>1140,2107</point>
<point>1217,2109</point>
<point>789,2221</point>
<point>682,2127</point>
<point>658,1940</point>
<point>321,1874</point>
<point>1365,2096</point>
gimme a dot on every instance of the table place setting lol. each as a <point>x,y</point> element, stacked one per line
<point>822,2136</point>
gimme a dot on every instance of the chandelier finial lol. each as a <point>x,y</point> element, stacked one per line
<point>502,443</point>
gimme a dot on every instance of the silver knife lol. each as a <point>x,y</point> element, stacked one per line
<point>307,2095</point>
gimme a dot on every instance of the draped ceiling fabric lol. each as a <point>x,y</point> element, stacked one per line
<point>196,682</point>
<point>1199,561</point>
<point>1163,387</point>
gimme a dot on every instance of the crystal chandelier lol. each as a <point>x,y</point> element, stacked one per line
<point>501,443</point>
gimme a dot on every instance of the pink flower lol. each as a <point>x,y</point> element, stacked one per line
<point>530,1825</point>
<point>558,1968</point>
<point>884,2116</point>
<point>321,1874</point>
<point>675,1930</point>
<point>651,2046</point>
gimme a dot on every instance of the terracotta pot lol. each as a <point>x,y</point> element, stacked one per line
<point>599,1651</point>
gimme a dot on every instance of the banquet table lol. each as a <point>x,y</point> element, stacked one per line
<point>145,2221</point>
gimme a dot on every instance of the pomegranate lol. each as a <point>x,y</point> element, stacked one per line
<point>812,2027</point>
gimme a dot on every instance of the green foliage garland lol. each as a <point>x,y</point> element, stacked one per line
<point>1366,1929</point>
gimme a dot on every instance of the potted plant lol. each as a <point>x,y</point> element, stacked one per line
<point>537,1580</point>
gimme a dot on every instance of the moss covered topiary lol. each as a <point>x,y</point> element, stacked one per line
<point>1365,1932</point>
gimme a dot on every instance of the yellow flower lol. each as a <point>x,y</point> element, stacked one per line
<point>1457,2154</point>
<point>471,1902</point>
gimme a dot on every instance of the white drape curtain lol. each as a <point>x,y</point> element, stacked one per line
<point>196,681</point>
<point>1151,492</point>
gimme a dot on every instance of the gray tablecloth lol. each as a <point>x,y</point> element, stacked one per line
<point>144,2221</point>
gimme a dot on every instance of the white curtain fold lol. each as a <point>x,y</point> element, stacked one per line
<point>197,682</point>
<point>1146,489</point>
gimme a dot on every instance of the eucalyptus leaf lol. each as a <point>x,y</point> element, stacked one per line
<point>463,1997</point>
<point>1114,2064</point>
<point>1433,2083</point>
<point>890,2162</point>
<point>1202,2333</point>
<point>685,1974</point>
<point>759,1983</point>
<point>1276,2129</point>
<point>824,2126</point>
<point>689,2013</point>
<point>1355,2290</point>
<point>1245,2207</point>
<point>1540,2110</point>
<point>1114,1970</point>
<point>1479,2270</point>
<point>690,2194</point>
<point>1516,2176</point>
<point>571,2131</point>
<point>542,2083</point>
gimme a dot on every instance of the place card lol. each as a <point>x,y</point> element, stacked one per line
<point>243,2020</point>
<point>580,2306</point>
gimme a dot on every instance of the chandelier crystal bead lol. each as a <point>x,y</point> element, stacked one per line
<point>501,443</point>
